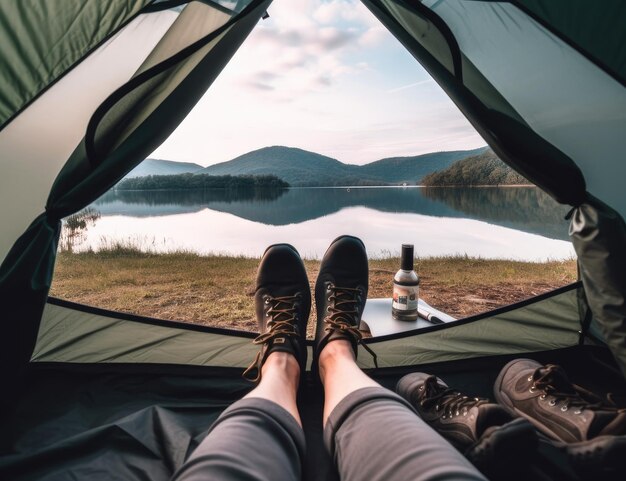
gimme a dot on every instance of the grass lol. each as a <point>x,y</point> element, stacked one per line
<point>218,290</point>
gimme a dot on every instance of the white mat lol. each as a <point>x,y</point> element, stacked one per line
<point>378,320</point>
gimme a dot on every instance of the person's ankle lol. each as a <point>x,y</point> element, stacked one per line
<point>335,352</point>
<point>282,364</point>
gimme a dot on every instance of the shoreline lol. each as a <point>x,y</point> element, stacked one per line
<point>218,290</point>
<point>389,186</point>
<point>479,186</point>
<point>121,249</point>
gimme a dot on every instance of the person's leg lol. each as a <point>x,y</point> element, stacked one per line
<point>372,433</point>
<point>257,438</point>
<point>260,437</point>
<point>279,382</point>
<point>340,377</point>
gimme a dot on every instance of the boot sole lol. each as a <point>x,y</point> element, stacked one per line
<point>508,449</point>
<point>603,457</point>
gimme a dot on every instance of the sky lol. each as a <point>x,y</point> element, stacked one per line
<point>325,76</point>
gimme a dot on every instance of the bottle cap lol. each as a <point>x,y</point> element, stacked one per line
<point>407,257</point>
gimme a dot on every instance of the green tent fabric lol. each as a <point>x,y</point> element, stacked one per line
<point>579,22</point>
<point>599,237</point>
<point>141,124</point>
<point>37,52</point>
<point>71,333</point>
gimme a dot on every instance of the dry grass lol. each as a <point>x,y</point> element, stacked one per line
<point>218,290</point>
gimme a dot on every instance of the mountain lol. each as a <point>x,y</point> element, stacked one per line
<point>482,169</point>
<point>303,168</point>
<point>295,166</point>
<point>162,167</point>
<point>412,169</point>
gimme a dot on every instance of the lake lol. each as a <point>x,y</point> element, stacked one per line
<point>499,222</point>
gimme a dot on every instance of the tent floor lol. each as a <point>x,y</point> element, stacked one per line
<point>141,421</point>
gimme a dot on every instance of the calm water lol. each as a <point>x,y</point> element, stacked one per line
<point>517,223</point>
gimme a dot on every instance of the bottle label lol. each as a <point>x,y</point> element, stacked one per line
<point>405,297</point>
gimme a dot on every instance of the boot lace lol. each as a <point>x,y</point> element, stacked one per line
<point>343,315</point>
<point>552,380</point>
<point>282,314</point>
<point>448,400</point>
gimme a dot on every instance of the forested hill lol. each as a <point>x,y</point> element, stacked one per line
<point>296,166</point>
<point>482,169</point>
<point>201,181</point>
<point>304,168</point>
<point>397,170</point>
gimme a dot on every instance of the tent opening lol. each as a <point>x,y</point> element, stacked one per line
<point>363,140</point>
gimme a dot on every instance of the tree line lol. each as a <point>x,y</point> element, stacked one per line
<point>482,169</point>
<point>201,181</point>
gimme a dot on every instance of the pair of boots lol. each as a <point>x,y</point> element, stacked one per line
<point>495,437</point>
<point>530,397</point>
<point>283,301</point>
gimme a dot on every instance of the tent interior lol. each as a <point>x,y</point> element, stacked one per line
<point>94,392</point>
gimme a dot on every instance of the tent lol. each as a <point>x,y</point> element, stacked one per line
<point>92,392</point>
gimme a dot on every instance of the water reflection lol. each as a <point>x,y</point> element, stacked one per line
<point>524,209</point>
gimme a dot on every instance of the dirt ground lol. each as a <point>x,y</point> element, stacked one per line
<point>218,291</point>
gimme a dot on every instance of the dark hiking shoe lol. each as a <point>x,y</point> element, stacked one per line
<point>340,294</point>
<point>494,441</point>
<point>592,433</point>
<point>282,301</point>
<point>603,457</point>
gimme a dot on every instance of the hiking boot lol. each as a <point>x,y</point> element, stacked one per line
<point>591,432</point>
<point>340,294</point>
<point>493,440</point>
<point>282,301</point>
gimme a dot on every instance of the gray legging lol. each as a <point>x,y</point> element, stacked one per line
<point>372,434</point>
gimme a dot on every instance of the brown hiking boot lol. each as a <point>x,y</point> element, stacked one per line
<point>283,302</point>
<point>497,443</point>
<point>592,433</point>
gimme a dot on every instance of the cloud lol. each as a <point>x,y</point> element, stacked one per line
<point>323,81</point>
<point>344,10</point>
<point>373,36</point>
<point>260,86</point>
<point>266,76</point>
<point>331,38</point>
<point>312,44</point>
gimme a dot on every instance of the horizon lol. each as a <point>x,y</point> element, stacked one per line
<point>326,77</point>
<point>486,146</point>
